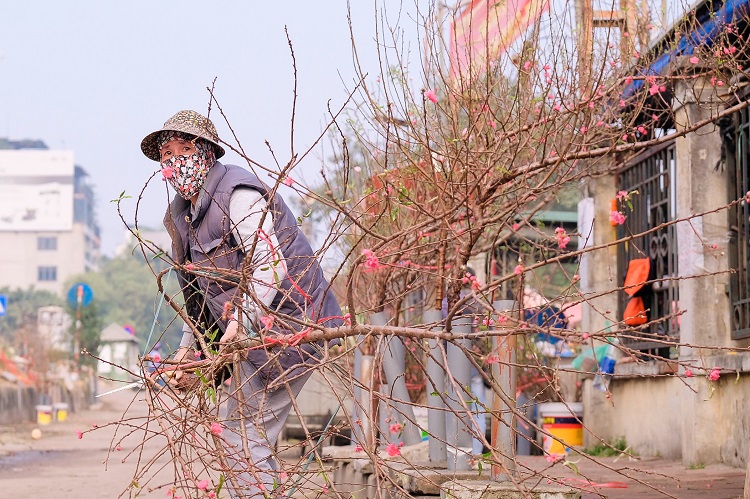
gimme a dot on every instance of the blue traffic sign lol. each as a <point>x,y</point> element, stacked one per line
<point>80,294</point>
<point>3,305</point>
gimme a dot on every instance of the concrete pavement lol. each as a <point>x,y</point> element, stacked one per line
<point>61,466</point>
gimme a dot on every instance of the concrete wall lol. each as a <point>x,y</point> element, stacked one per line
<point>17,404</point>
<point>598,269</point>
<point>674,417</point>
<point>646,411</point>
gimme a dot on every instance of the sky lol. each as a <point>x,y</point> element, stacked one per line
<point>95,77</point>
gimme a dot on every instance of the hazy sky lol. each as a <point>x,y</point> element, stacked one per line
<point>96,76</point>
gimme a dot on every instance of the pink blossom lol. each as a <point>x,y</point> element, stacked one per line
<point>625,138</point>
<point>562,238</point>
<point>688,373</point>
<point>216,428</point>
<point>502,318</point>
<point>714,374</point>
<point>655,117</point>
<point>585,336</point>
<point>189,266</point>
<point>488,322</point>
<point>516,226</point>
<point>203,484</point>
<point>393,450</point>
<point>267,321</point>
<point>118,448</point>
<point>431,95</point>
<point>654,89</point>
<point>167,173</point>
<point>396,428</point>
<point>283,476</point>
<point>212,494</point>
<point>695,59</point>
<point>371,262</point>
<point>583,129</point>
<point>197,354</point>
<point>288,181</point>
<point>642,130</point>
<point>623,103</point>
<point>358,448</point>
<point>576,277</point>
<point>617,218</point>
<point>357,169</point>
<point>527,65</point>
<point>491,359</point>
<point>518,270</point>
<point>622,194</point>
<point>553,458</point>
<point>79,434</point>
<point>156,358</point>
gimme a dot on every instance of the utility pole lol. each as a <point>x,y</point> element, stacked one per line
<point>632,27</point>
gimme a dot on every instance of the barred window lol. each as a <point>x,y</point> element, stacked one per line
<point>652,175</point>
<point>738,169</point>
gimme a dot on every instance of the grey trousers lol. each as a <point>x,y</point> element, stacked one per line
<point>261,411</point>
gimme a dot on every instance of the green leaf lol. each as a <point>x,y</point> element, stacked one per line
<point>572,466</point>
<point>434,394</point>
<point>120,198</point>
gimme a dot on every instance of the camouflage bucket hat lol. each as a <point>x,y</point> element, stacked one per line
<point>184,121</point>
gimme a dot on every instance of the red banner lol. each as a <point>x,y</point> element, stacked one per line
<point>485,29</point>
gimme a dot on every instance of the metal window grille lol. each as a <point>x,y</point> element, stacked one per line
<point>652,174</point>
<point>739,223</point>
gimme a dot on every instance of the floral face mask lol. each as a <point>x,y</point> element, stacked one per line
<point>187,173</point>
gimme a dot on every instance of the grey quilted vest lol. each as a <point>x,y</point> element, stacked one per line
<point>206,240</point>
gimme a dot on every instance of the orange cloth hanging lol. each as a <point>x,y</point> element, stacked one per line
<point>638,270</point>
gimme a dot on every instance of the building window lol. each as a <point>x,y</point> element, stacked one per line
<point>652,174</point>
<point>739,224</point>
<point>46,273</point>
<point>46,243</point>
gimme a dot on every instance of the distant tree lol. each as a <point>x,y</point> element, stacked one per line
<point>89,336</point>
<point>22,308</point>
<point>125,292</point>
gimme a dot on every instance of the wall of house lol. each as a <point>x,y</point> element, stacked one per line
<point>645,411</point>
<point>692,419</point>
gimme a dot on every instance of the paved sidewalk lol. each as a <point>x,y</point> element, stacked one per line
<point>60,466</point>
<point>645,478</point>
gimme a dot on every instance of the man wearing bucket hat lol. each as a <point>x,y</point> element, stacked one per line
<point>224,221</point>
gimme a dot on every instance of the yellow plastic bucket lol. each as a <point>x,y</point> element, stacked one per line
<point>562,422</point>
<point>43,414</point>
<point>61,411</point>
